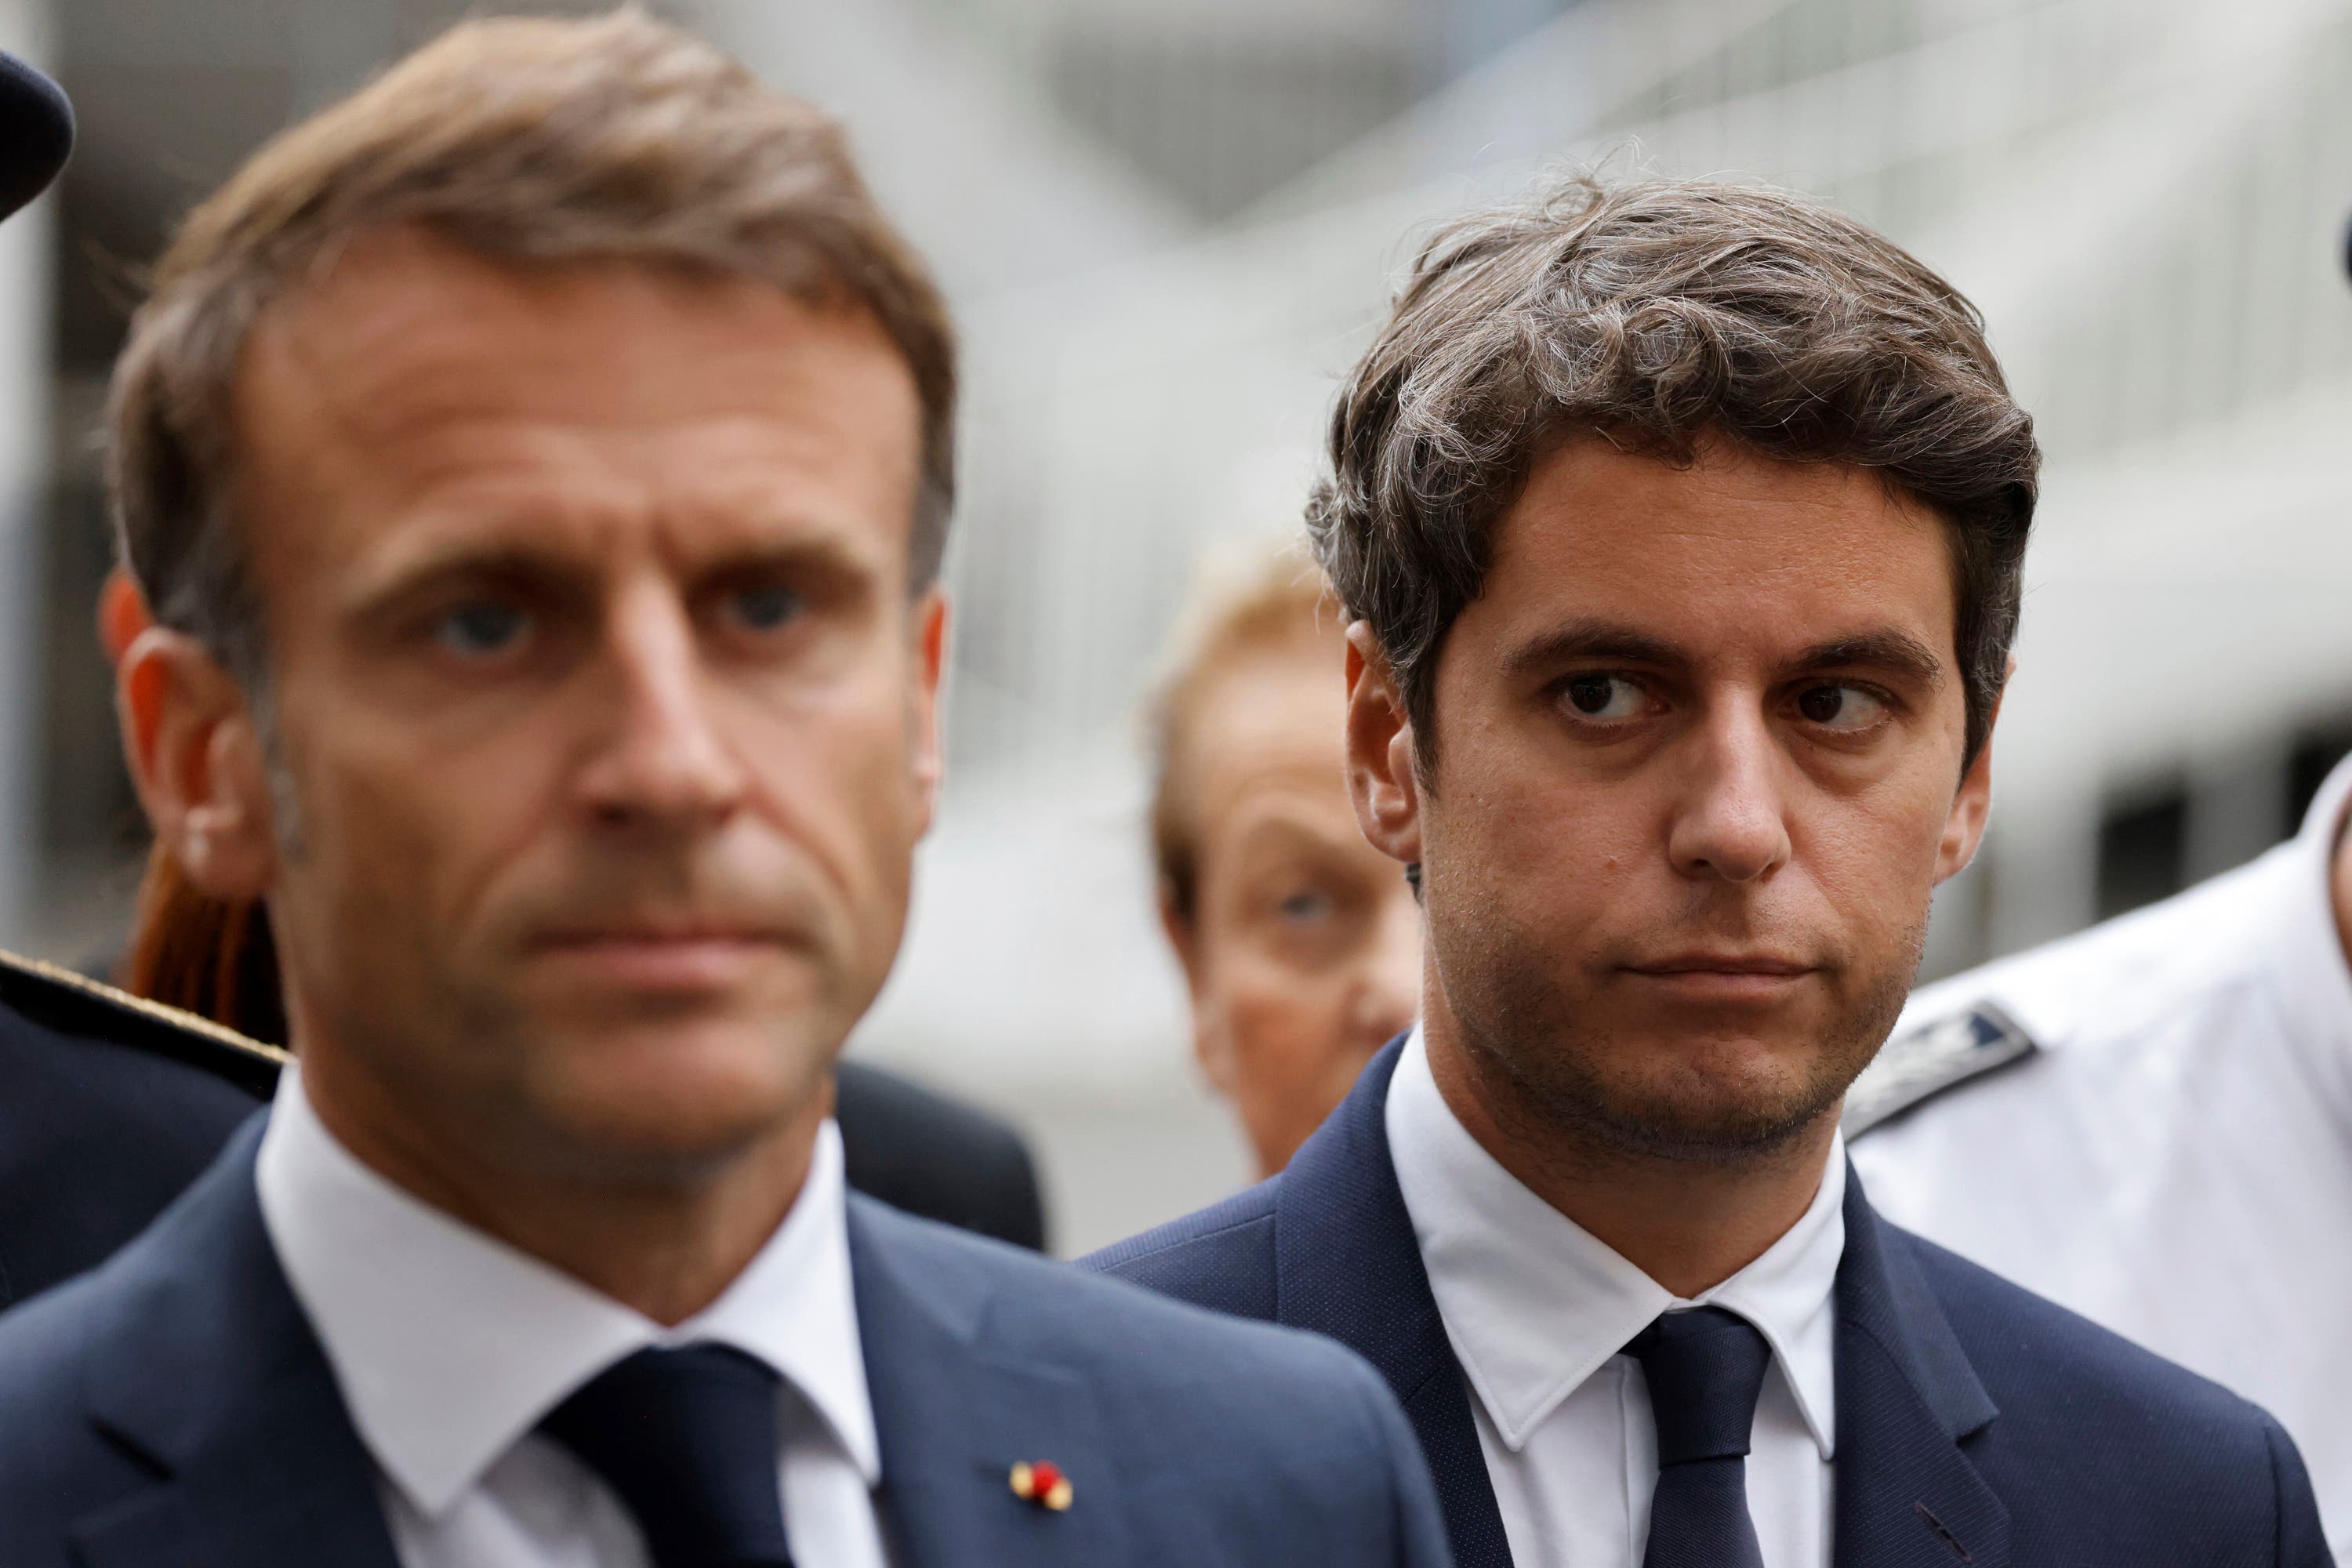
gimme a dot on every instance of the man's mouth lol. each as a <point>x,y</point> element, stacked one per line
<point>1727,974</point>
<point>660,956</point>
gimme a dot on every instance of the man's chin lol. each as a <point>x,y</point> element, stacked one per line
<point>679,1103</point>
<point>1708,1130</point>
<point>1725,1108</point>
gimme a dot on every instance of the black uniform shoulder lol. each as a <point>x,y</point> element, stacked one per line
<point>72,1006</point>
<point>109,1106</point>
<point>920,1151</point>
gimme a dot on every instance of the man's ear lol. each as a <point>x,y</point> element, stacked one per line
<point>196,754</point>
<point>1964,828</point>
<point>1380,777</point>
<point>931,627</point>
<point>121,614</point>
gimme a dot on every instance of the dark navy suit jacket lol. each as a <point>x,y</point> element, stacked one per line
<point>1976,1424</point>
<point>175,1407</point>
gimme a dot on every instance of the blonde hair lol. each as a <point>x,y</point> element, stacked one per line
<point>1254,600</point>
<point>527,140</point>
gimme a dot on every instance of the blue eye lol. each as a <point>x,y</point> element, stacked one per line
<point>480,629</point>
<point>1306,905</point>
<point>764,608</point>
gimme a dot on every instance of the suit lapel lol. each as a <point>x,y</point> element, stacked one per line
<point>1347,1266</point>
<point>214,1375</point>
<point>1908,1495</point>
<point>955,1409</point>
<point>1908,1402</point>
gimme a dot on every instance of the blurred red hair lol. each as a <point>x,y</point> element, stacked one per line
<point>204,955</point>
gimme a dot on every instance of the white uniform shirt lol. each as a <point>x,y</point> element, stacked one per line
<point>449,1346</point>
<point>2174,1162</point>
<point>1539,1312</point>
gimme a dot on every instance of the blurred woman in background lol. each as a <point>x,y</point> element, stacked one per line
<point>1301,942</point>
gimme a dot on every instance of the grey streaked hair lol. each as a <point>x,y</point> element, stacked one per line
<point>1653,313</point>
<point>527,140</point>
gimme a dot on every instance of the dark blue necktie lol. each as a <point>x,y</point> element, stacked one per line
<point>1704,1369</point>
<point>687,1440</point>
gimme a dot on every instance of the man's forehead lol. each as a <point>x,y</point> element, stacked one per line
<point>405,326</point>
<point>422,383</point>
<point>1730,550</point>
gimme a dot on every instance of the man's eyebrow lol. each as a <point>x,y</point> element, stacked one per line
<point>1592,640</point>
<point>1888,648</point>
<point>823,555</point>
<point>1296,825</point>
<point>393,581</point>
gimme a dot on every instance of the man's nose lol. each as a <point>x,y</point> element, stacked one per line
<point>1731,817</point>
<point>1388,992</point>
<point>662,755</point>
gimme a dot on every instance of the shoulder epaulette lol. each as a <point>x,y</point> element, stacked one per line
<point>1922,1063</point>
<point>71,1003</point>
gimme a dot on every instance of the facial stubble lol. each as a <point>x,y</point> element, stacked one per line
<point>1545,1065</point>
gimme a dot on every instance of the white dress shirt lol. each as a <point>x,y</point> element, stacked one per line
<point>449,1346</point>
<point>2175,1160</point>
<point>1539,1312</point>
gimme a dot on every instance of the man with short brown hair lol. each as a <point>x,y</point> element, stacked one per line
<point>539,466</point>
<point>1682,524</point>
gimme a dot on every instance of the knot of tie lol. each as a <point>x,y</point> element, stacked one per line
<point>1705,1368</point>
<point>687,1440</point>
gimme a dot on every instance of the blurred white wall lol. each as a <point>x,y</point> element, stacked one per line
<point>25,250</point>
<point>989,185</point>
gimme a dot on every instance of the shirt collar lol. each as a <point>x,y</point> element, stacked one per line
<point>2306,950</point>
<point>1535,1304</point>
<point>449,1345</point>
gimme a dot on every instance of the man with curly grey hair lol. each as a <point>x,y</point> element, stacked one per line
<point>1681,527</point>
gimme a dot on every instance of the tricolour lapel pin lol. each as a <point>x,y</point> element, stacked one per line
<point>1042,1482</point>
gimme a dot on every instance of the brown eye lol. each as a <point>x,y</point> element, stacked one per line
<point>1603,697</point>
<point>1843,708</point>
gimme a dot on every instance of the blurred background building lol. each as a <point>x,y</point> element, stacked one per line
<point>1167,228</point>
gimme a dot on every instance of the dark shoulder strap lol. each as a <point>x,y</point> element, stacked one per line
<point>1923,1062</point>
<point>71,1004</point>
